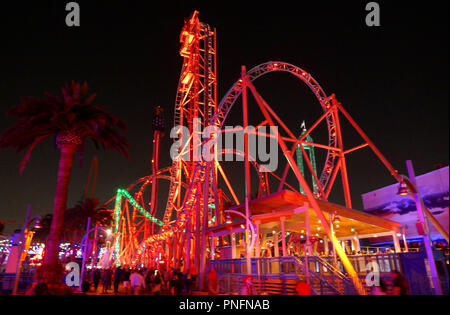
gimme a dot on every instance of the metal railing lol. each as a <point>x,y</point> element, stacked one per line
<point>324,283</point>
<point>263,285</point>
<point>363,263</point>
<point>331,274</point>
<point>278,275</point>
<point>327,278</point>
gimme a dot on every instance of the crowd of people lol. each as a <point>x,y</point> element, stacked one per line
<point>142,281</point>
<point>173,282</point>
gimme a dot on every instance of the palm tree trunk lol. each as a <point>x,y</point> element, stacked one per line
<point>59,204</point>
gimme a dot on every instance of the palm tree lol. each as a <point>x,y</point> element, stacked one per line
<point>71,117</point>
<point>75,218</point>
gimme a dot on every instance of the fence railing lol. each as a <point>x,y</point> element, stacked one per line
<point>263,285</point>
<point>278,275</point>
<point>7,281</point>
<point>385,262</point>
<point>329,273</point>
<point>370,250</point>
<point>327,277</point>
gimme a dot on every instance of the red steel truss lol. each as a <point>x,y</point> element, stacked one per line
<point>195,202</point>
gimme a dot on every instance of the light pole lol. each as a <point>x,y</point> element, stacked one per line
<point>25,243</point>
<point>423,221</point>
<point>334,218</point>
<point>249,246</point>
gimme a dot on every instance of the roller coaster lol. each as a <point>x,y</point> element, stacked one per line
<point>196,202</point>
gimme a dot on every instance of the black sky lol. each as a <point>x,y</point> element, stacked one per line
<point>392,79</point>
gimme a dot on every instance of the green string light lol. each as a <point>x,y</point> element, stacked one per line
<point>135,204</point>
<point>117,212</point>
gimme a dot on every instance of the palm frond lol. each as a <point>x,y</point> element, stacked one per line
<point>72,110</point>
<point>30,148</point>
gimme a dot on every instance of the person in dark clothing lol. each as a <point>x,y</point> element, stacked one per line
<point>186,281</point>
<point>117,277</point>
<point>171,284</point>
<point>149,280</point>
<point>157,282</point>
<point>96,278</point>
<point>85,286</point>
<point>191,279</point>
<point>174,282</point>
<point>126,279</point>
<point>106,279</point>
<point>399,284</point>
<point>380,289</point>
<point>179,283</point>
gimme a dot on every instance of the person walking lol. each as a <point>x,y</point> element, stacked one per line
<point>213,283</point>
<point>85,286</point>
<point>117,277</point>
<point>174,282</point>
<point>106,280</point>
<point>149,278</point>
<point>157,282</point>
<point>171,284</point>
<point>97,276</point>
<point>126,279</point>
<point>247,288</point>
<point>192,278</point>
<point>110,277</point>
<point>137,282</point>
<point>166,279</point>
<point>185,281</point>
<point>399,283</point>
<point>380,289</point>
<point>179,281</point>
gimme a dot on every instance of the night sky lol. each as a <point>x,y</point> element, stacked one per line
<point>392,79</point>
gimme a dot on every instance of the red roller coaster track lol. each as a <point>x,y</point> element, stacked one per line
<point>190,212</point>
